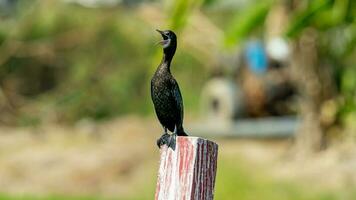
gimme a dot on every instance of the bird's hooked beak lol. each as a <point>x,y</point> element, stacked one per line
<point>159,31</point>
<point>165,40</point>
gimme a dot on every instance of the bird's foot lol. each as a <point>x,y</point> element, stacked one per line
<point>172,141</point>
<point>167,139</point>
<point>164,139</point>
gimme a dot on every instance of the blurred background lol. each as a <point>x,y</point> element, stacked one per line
<point>272,82</point>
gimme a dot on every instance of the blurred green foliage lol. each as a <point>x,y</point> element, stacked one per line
<point>81,62</point>
<point>84,55</point>
<point>245,22</point>
<point>333,22</point>
<point>180,11</point>
<point>321,14</point>
<point>66,62</point>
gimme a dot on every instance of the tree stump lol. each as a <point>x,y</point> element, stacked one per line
<point>189,171</point>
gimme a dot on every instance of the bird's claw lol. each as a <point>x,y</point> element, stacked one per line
<point>169,140</point>
<point>164,139</point>
<point>172,142</point>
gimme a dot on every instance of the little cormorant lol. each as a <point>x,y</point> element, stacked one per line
<point>165,93</point>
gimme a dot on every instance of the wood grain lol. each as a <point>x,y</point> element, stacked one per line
<point>189,172</point>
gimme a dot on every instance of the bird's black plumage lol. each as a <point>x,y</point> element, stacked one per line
<point>165,93</point>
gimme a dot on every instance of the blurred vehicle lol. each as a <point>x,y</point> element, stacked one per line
<point>256,99</point>
<point>258,88</point>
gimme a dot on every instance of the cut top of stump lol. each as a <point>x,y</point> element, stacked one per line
<point>189,171</point>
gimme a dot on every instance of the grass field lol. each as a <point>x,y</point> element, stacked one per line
<point>73,164</point>
<point>234,181</point>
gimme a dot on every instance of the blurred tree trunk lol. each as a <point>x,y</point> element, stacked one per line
<point>313,82</point>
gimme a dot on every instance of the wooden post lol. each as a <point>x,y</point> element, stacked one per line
<point>188,172</point>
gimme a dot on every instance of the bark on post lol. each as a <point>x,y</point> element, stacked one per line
<point>188,172</point>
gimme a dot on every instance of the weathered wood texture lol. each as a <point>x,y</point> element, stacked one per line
<point>189,172</point>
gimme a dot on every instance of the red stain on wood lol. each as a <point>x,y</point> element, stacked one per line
<point>189,172</point>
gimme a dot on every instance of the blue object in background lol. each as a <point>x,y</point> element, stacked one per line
<point>256,57</point>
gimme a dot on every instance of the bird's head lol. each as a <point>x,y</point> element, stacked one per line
<point>169,42</point>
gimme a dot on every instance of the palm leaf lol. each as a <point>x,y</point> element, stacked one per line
<point>306,16</point>
<point>247,21</point>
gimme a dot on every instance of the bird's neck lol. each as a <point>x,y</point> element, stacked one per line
<point>166,62</point>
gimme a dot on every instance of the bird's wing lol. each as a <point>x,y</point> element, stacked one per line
<point>177,98</point>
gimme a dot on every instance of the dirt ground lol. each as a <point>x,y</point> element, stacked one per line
<point>117,157</point>
<point>89,158</point>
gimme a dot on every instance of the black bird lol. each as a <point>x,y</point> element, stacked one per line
<point>165,93</point>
